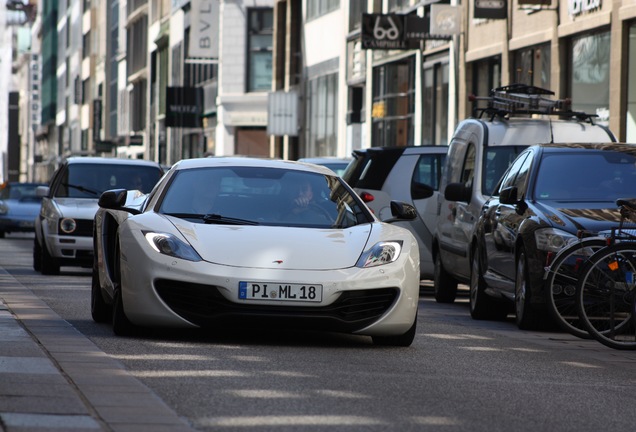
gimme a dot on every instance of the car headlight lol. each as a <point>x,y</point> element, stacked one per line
<point>4,208</point>
<point>552,240</point>
<point>68,225</point>
<point>381,253</point>
<point>168,244</point>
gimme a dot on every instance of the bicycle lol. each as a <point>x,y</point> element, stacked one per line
<point>561,277</point>
<point>606,292</point>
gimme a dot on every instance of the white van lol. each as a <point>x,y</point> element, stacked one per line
<point>480,151</point>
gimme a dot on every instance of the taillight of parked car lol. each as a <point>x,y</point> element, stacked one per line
<point>367,197</point>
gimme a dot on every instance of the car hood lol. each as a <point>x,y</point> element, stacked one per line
<point>575,216</point>
<point>79,208</point>
<point>276,247</point>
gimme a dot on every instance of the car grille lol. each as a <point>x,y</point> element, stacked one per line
<point>204,305</point>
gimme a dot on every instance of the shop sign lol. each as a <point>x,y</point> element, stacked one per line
<point>577,7</point>
<point>491,9</point>
<point>204,29</point>
<point>184,106</point>
<point>445,20</point>
<point>393,31</point>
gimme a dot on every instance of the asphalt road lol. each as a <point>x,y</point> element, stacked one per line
<point>459,374</point>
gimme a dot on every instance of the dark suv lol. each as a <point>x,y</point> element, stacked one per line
<point>408,174</point>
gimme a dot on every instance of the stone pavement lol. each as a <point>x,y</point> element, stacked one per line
<point>53,378</point>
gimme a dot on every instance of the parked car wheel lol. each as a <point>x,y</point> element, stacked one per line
<point>526,317</point>
<point>483,306</point>
<point>403,340</point>
<point>445,284</point>
<point>37,255</point>
<point>48,264</point>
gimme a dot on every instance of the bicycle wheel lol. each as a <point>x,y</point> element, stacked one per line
<point>561,278</point>
<point>605,296</point>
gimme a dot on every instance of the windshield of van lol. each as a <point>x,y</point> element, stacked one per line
<point>496,161</point>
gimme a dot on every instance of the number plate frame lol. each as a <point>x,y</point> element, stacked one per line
<point>280,291</point>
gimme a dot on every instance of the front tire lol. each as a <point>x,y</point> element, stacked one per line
<point>445,284</point>
<point>37,255</point>
<point>526,317</point>
<point>483,306</point>
<point>403,340</point>
<point>48,264</point>
<point>122,326</point>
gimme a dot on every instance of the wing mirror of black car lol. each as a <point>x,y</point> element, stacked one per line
<point>421,190</point>
<point>457,192</point>
<point>401,211</point>
<point>115,199</point>
<point>508,195</point>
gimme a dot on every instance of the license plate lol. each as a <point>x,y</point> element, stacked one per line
<point>280,291</point>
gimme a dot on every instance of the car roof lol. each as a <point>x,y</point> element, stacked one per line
<point>574,147</point>
<point>110,161</point>
<point>423,149</point>
<point>324,159</point>
<point>231,161</point>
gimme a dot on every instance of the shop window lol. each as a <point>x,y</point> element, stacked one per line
<point>435,104</point>
<point>589,74</point>
<point>317,8</point>
<point>322,113</point>
<point>486,76</point>
<point>393,104</point>
<point>260,40</point>
<point>532,66</point>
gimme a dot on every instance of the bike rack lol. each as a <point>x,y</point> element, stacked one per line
<point>522,99</point>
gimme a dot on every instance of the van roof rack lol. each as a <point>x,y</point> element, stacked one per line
<point>516,99</point>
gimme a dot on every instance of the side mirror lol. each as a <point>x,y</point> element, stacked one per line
<point>457,192</point>
<point>115,199</point>
<point>402,211</point>
<point>509,195</point>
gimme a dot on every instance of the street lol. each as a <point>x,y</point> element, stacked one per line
<point>459,374</point>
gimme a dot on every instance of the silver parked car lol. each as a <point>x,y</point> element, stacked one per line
<point>407,174</point>
<point>64,227</point>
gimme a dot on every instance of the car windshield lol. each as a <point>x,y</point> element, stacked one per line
<point>20,191</point>
<point>262,196</point>
<point>590,176</point>
<point>90,180</point>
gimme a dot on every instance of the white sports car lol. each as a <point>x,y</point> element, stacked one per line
<point>253,242</point>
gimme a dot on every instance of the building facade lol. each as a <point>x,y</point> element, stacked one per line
<point>173,79</point>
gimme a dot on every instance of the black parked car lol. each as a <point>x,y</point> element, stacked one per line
<point>549,193</point>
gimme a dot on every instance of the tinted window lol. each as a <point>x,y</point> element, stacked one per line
<point>586,176</point>
<point>369,169</point>
<point>265,196</point>
<point>510,178</point>
<point>90,180</point>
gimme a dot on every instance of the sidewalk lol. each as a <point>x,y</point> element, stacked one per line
<point>52,378</point>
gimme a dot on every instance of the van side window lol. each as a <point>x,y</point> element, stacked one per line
<point>468,169</point>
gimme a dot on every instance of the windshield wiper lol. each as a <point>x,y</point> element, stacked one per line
<point>214,218</point>
<point>82,189</point>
